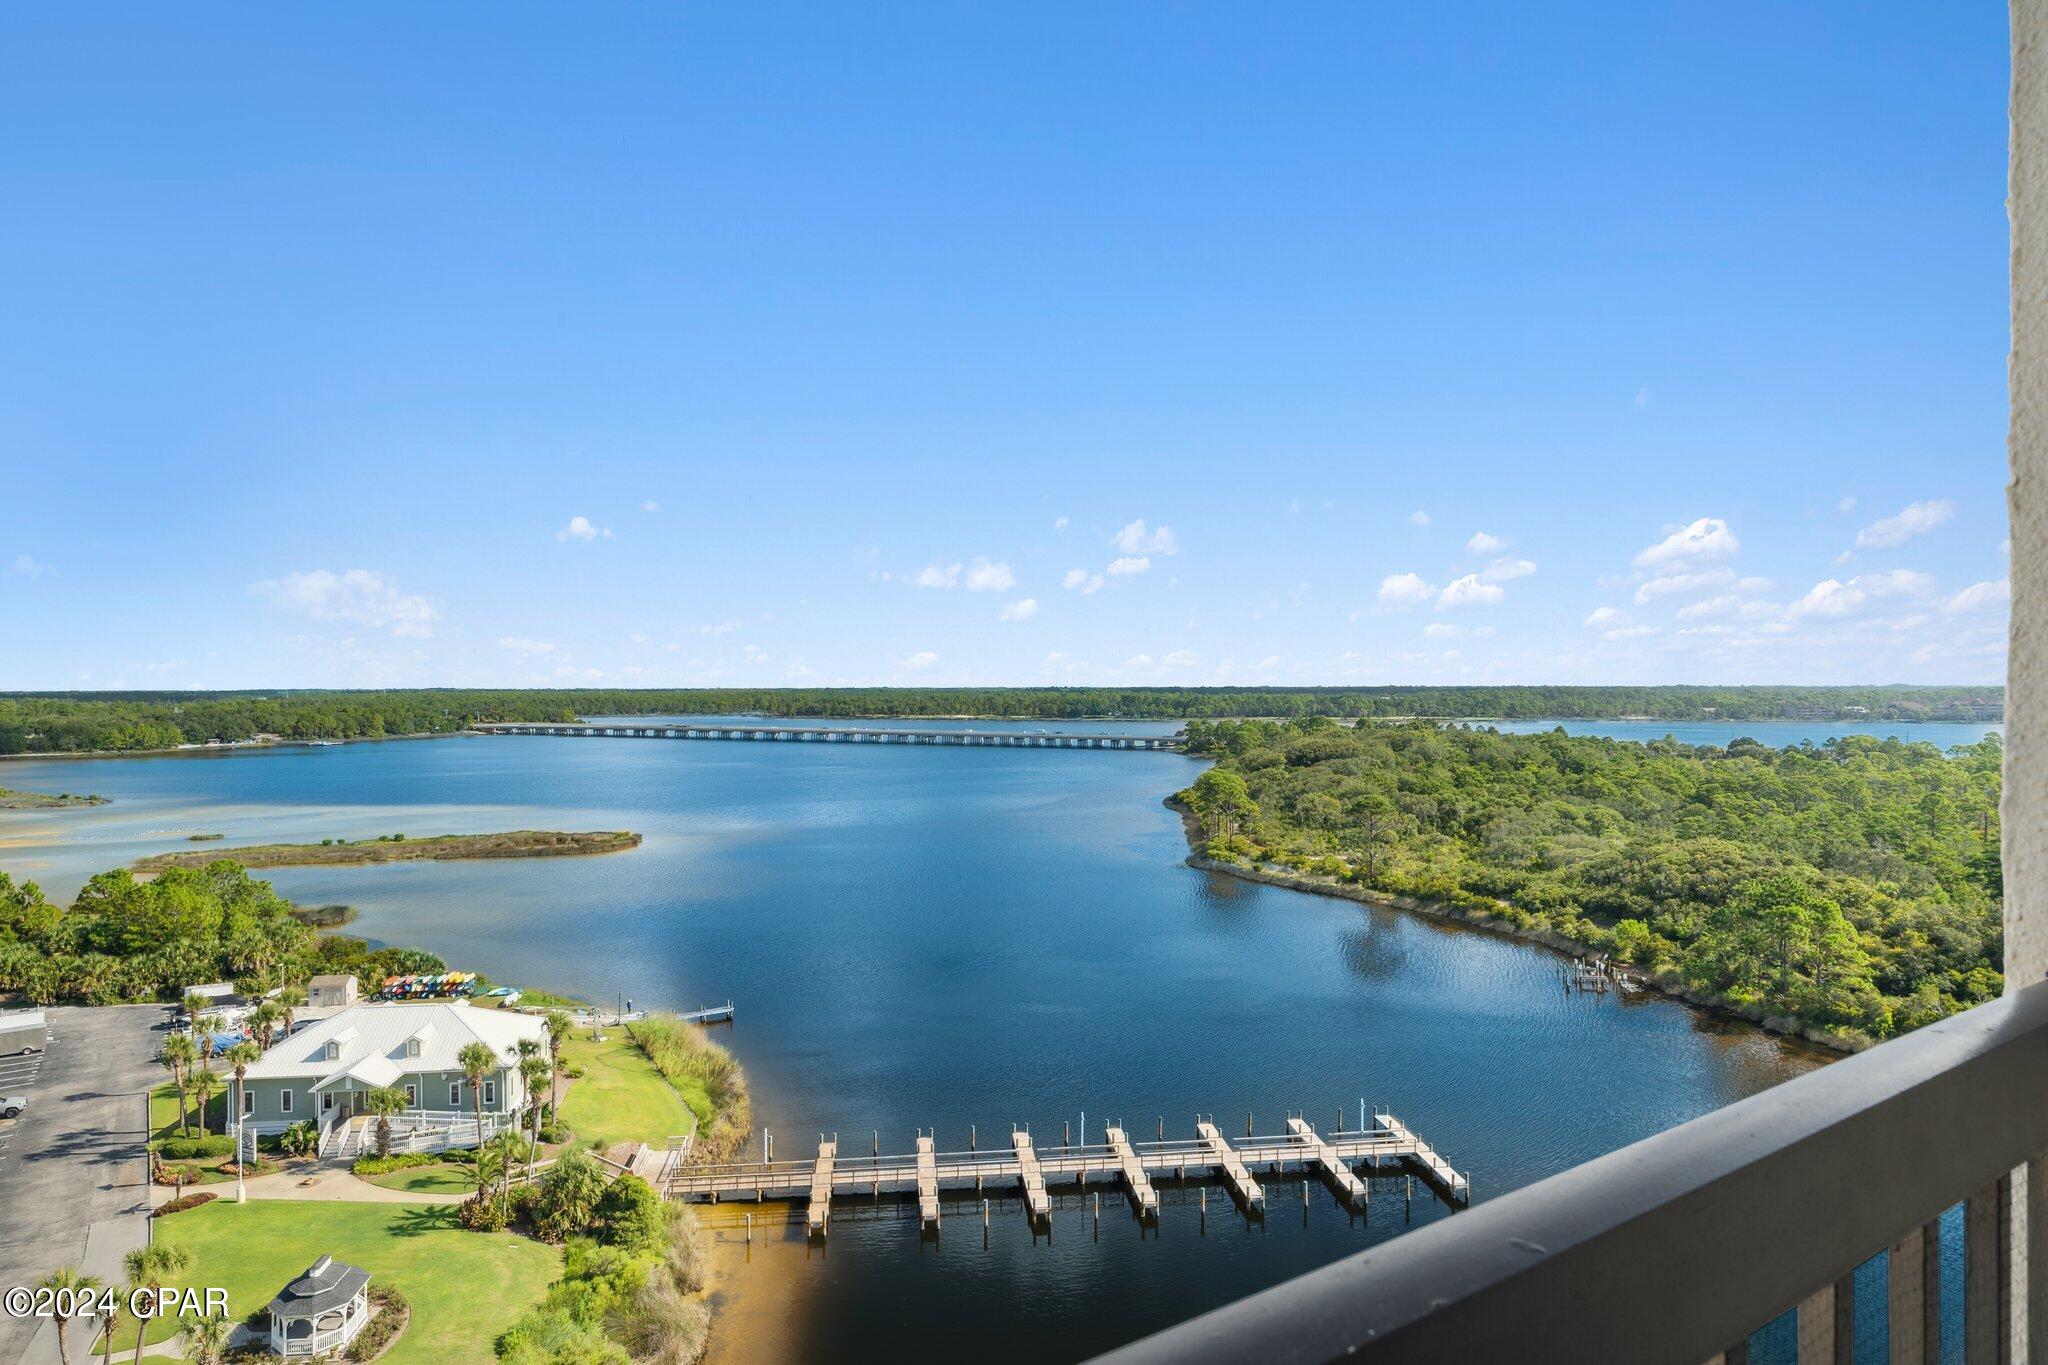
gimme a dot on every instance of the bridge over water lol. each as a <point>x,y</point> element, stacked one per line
<point>833,734</point>
<point>1344,1161</point>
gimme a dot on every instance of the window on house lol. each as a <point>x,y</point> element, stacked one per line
<point>284,1101</point>
<point>412,1047</point>
<point>248,1101</point>
<point>334,1052</point>
<point>412,1097</point>
<point>490,1093</point>
<point>455,1092</point>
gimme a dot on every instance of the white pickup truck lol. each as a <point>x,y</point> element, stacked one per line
<point>12,1105</point>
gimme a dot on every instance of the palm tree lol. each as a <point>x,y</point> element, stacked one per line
<point>264,1021</point>
<point>240,1057</point>
<point>477,1062</point>
<point>66,1282</point>
<point>558,1029</point>
<point>148,1267</point>
<point>207,1336</point>
<point>533,1070</point>
<point>288,999</point>
<point>180,1055</point>
<point>194,1005</point>
<point>205,1084</point>
<point>209,1026</point>
<point>384,1101</point>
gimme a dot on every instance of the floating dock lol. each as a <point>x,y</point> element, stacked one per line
<point>1346,1161</point>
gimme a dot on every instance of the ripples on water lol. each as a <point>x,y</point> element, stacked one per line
<point>937,937</point>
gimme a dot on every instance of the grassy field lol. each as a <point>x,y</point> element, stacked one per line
<point>163,1112</point>
<point>429,1180</point>
<point>621,1097</point>
<point>465,1287</point>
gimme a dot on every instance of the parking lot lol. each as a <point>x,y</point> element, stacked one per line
<point>17,1077</point>
<point>73,1175</point>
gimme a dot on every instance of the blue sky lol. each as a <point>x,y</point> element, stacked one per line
<point>781,345</point>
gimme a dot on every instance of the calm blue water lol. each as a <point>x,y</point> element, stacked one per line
<point>936,937</point>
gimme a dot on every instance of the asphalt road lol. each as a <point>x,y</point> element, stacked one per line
<point>73,1179</point>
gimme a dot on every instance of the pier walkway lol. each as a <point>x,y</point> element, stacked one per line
<point>1345,1161</point>
<point>835,734</point>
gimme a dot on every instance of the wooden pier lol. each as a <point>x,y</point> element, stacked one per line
<point>843,734</point>
<point>1346,1161</point>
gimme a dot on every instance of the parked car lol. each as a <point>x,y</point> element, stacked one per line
<point>12,1105</point>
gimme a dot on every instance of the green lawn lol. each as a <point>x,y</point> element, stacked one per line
<point>429,1180</point>
<point>621,1097</point>
<point>163,1111</point>
<point>465,1287</point>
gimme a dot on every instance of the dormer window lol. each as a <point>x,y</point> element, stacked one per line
<point>412,1047</point>
<point>332,1052</point>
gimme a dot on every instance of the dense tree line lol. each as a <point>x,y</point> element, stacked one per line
<point>127,940</point>
<point>100,722</point>
<point>1852,886</point>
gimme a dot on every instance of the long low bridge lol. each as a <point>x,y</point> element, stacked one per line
<point>839,734</point>
<point>1345,1162</point>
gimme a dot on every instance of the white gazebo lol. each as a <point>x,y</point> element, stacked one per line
<point>321,1311</point>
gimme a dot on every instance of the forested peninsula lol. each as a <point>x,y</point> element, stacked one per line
<point>1849,891</point>
<point>115,722</point>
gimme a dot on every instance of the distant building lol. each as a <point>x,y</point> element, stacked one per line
<point>325,991</point>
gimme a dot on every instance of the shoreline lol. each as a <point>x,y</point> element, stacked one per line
<point>523,843</point>
<point>244,746</point>
<point>1704,1001</point>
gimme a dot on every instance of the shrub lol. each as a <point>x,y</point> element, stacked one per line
<point>552,1337</point>
<point>630,1215</point>
<point>196,1148</point>
<point>393,1312</point>
<point>481,1214</point>
<point>400,1161</point>
<point>682,1053</point>
<point>568,1198</point>
<point>183,1202</point>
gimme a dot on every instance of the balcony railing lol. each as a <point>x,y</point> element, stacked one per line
<point>1677,1248</point>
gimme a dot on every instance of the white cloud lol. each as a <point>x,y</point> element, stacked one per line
<point>1021,610</point>
<point>1502,570</point>
<point>1915,519</point>
<point>580,528</point>
<point>1706,538</point>
<point>1845,506</point>
<point>938,576</point>
<point>718,629</point>
<point>1442,630</point>
<point>27,566</point>
<point>1059,523</point>
<point>1979,597</point>
<point>521,645</point>
<point>1082,579</point>
<point>754,654</point>
<point>1405,590</point>
<point>924,658</point>
<point>1829,597</point>
<point>650,506</point>
<point>1895,583</point>
<point>359,595</point>
<point>1129,565</point>
<point>987,577</point>
<point>1607,616</point>
<point>1468,591</point>
<point>1484,544</point>
<point>1418,518</point>
<point>1138,661</point>
<point>1628,632</point>
<point>1134,539</point>
<point>1682,584</point>
<point>1180,658</point>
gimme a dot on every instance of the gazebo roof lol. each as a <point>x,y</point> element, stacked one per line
<point>327,1285</point>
